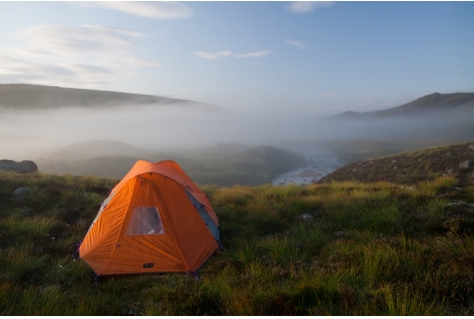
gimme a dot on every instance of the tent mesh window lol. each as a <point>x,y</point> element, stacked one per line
<point>145,221</point>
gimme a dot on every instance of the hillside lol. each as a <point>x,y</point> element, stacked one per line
<point>436,102</point>
<point>222,165</point>
<point>96,148</point>
<point>39,97</point>
<point>436,117</point>
<point>408,168</point>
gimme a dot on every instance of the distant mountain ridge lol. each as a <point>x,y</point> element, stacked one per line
<point>37,97</point>
<point>435,102</point>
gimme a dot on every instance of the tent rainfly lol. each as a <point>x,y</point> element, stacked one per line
<point>154,220</point>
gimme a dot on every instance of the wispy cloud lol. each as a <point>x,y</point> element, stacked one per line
<point>82,39</point>
<point>252,54</point>
<point>229,54</point>
<point>82,56</point>
<point>161,10</point>
<point>214,55</point>
<point>308,6</point>
<point>296,44</point>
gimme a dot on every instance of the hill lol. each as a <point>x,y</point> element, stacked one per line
<point>227,148</point>
<point>433,102</point>
<point>436,102</point>
<point>97,148</point>
<point>436,117</point>
<point>39,97</point>
<point>222,165</point>
<point>412,167</point>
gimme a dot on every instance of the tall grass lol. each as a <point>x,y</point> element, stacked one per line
<point>18,263</point>
<point>403,302</point>
<point>29,226</point>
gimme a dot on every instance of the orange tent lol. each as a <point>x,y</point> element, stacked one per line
<point>154,220</point>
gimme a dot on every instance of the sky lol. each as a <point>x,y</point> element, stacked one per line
<point>306,58</point>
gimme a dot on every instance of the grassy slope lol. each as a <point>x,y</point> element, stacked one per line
<point>412,167</point>
<point>344,248</point>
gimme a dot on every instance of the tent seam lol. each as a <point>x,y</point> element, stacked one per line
<point>121,225</point>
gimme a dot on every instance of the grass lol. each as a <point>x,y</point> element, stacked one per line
<point>342,248</point>
<point>411,167</point>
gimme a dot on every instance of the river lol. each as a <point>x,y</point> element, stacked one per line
<point>317,164</point>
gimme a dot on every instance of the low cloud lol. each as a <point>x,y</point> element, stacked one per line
<point>308,6</point>
<point>160,10</point>
<point>79,56</point>
<point>229,54</point>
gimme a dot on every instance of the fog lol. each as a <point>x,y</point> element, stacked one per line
<point>149,127</point>
<point>31,134</point>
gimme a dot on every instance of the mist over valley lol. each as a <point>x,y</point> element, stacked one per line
<point>104,133</point>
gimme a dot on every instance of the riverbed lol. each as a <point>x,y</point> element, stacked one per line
<point>317,164</point>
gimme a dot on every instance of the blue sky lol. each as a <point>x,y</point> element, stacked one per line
<point>313,58</point>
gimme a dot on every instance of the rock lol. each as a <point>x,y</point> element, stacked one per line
<point>20,193</point>
<point>18,167</point>
<point>464,164</point>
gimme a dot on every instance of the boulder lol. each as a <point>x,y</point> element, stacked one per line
<point>20,193</point>
<point>464,164</point>
<point>18,167</point>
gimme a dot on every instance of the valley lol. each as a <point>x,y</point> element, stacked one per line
<point>237,158</point>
